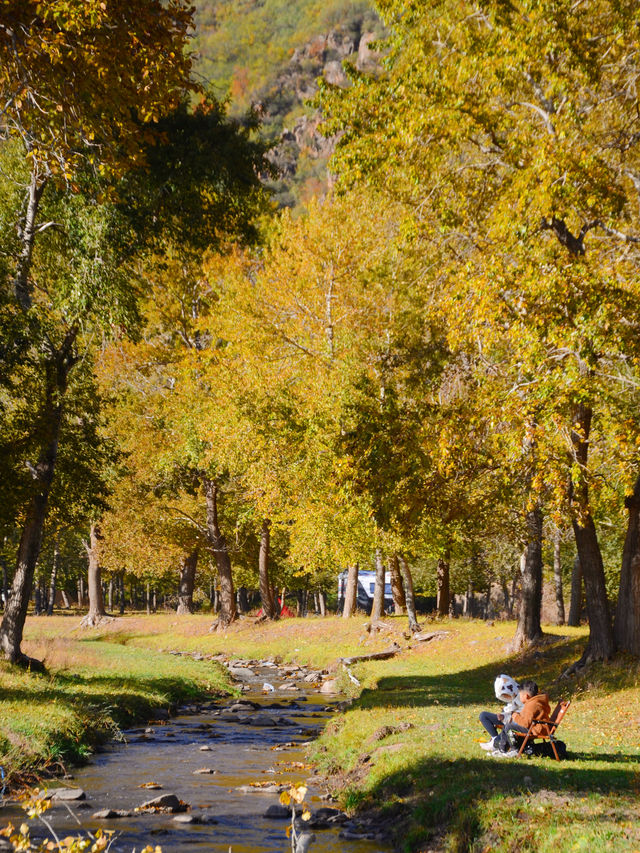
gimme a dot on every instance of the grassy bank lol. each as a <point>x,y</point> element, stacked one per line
<point>96,683</point>
<point>431,781</point>
<point>439,789</point>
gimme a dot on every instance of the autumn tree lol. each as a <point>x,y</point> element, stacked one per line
<point>520,119</point>
<point>81,83</point>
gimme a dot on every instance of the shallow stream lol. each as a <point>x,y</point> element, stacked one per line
<point>239,747</point>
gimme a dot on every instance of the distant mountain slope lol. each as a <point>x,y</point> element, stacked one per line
<point>271,52</point>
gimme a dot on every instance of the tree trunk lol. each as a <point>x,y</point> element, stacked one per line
<point>27,234</point>
<point>110,600</point>
<point>506,597</point>
<point>54,576</point>
<point>97,613</point>
<point>322,600</point>
<point>399,601</point>
<point>557,577</point>
<point>37,598</point>
<point>57,371</point>
<point>269,609</point>
<point>351,592</point>
<point>377,608</point>
<point>409,595</point>
<point>65,599</point>
<point>188,567</point>
<point>121,593</point>
<point>218,545</point>
<point>5,582</point>
<point>601,645</point>
<point>627,618</point>
<point>243,601</point>
<point>529,630</point>
<point>444,586</point>
<point>467,607</point>
<point>575,605</point>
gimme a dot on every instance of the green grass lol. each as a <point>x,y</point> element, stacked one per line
<point>432,782</point>
<point>438,784</point>
<point>94,686</point>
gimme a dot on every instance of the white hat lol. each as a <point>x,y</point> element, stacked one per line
<point>506,688</point>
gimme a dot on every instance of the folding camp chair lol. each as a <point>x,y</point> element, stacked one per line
<point>552,726</point>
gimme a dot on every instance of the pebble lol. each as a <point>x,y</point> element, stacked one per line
<point>277,812</point>
<point>167,802</point>
<point>204,771</point>
<point>110,814</point>
<point>67,794</point>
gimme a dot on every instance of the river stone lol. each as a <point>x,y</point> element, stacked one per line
<point>277,812</point>
<point>312,676</point>
<point>330,686</point>
<point>187,818</point>
<point>204,771</point>
<point>304,842</point>
<point>205,748</point>
<point>243,705</point>
<point>263,720</point>
<point>110,814</point>
<point>167,801</point>
<point>241,673</point>
<point>268,789</point>
<point>325,817</point>
<point>67,794</point>
<point>161,714</point>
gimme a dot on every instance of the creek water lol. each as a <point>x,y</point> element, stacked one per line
<point>263,745</point>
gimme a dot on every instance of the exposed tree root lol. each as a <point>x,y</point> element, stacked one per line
<point>520,644</point>
<point>221,625</point>
<point>589,657</point>
<point>95,620</point>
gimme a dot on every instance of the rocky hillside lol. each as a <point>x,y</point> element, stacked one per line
<point>270,55</point>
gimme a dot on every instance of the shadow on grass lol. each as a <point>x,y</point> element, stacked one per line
<point>474,685</point>
<point>451,797</point>
<point>461,797</point>
<point>126,699</point>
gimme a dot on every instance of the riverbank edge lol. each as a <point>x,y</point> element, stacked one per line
<point>428,782</point>
<point>87,725</point>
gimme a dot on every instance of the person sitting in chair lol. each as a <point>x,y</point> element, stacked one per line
<point>507,690</point>
<point>535,706</point>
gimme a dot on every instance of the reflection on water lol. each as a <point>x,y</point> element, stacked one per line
<point>239,752</point>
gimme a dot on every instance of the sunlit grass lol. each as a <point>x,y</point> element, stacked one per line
<point>432,782</point>
<point>437,777</point>
<point>94,685</point>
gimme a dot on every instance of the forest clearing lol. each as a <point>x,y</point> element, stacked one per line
<point>405,749</point>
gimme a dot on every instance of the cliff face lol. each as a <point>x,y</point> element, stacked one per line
<point>300,152</point>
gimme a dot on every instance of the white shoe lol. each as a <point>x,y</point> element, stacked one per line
<point>488,745</point>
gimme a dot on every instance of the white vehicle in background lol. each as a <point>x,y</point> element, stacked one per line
<point>366,589</point>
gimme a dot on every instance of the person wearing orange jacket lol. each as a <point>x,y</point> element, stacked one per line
<point>535,706</point>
